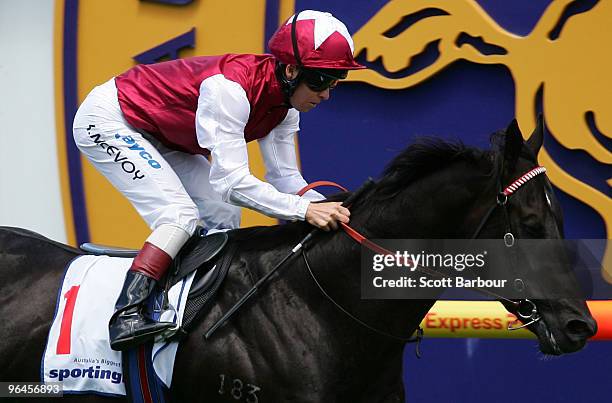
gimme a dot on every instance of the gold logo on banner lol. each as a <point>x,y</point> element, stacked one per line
<point>566,58</point>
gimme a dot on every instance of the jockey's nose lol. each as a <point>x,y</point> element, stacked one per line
<point>324,95</point>
<point>579,329</point>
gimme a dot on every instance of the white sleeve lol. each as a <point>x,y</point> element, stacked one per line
<point>222,114</point>
<point>278,152</point>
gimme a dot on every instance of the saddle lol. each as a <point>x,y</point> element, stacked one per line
<point>209,255</point>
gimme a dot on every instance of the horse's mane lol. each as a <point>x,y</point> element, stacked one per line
<point>424,156</point>
<point>430,154</point>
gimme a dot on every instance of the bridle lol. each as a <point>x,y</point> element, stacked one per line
<point>526,309</point>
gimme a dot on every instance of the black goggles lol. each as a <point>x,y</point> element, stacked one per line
<point>318,80</point>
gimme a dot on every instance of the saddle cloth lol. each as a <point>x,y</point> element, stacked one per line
<point>78,352</point>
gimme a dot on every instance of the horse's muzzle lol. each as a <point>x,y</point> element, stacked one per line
<point>580,329</point>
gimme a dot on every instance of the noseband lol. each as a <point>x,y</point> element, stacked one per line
<point>526,309</point>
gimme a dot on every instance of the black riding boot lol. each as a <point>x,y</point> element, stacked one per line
<point>128,326</point>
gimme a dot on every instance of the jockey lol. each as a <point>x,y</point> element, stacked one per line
<point>171,137</point>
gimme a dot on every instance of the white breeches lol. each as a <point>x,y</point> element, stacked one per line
<point>166,187</point>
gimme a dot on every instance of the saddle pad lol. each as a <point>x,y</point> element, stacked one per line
<point>78,352</point>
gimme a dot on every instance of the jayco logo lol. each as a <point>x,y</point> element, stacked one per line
<point>141,151</point>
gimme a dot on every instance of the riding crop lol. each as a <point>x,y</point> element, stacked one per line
<point>349,200</point>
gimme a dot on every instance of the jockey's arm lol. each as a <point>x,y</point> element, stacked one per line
<point>223,111</point>
<point>279,156</point>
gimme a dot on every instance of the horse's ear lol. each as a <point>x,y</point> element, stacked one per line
<point>534,143</point>
<point>513,143</point>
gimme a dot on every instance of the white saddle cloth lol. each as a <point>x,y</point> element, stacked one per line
<point>78,352</point>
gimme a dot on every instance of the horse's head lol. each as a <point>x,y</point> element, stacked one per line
<point>531,211</point>
<point>439,190</point>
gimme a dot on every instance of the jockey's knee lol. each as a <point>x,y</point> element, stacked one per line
<point>229,216</point>
<point>219,215</point>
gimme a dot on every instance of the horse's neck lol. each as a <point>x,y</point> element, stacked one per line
<point>330,334</point>
<point>436,208</point>
<point>440,206</point>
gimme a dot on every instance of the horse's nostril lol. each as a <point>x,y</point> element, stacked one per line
<point>580,328</point>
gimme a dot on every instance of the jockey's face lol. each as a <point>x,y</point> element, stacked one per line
<point>304,99</point>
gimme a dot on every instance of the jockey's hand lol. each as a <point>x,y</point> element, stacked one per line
<point>327,215</point>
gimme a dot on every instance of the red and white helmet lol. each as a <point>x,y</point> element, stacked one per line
<point>321,41</point>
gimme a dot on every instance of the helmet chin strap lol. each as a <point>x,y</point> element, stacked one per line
<point>288,86</point>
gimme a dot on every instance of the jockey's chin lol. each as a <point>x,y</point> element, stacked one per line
<point>305,107</point>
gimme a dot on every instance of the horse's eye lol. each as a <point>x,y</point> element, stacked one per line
<point>533,228</point>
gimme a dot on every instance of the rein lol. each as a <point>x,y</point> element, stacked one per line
<point>525,308</point>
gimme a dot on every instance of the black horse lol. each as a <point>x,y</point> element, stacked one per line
<point>290,343</point>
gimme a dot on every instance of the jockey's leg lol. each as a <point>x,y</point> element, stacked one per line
<point>128,325</point>
<point>194,172</point>
<point>135,167</point>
